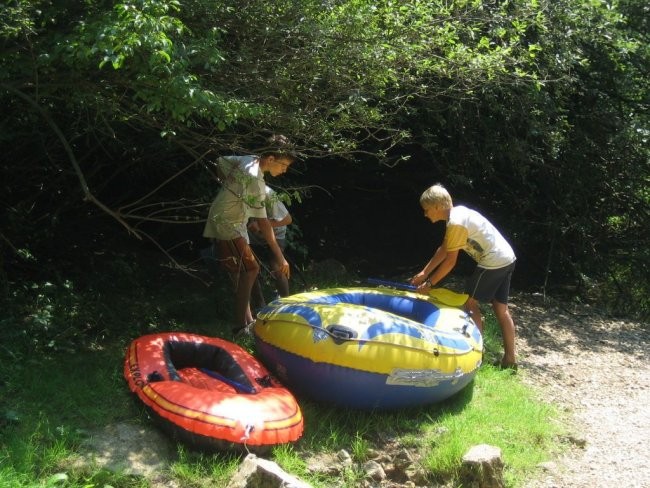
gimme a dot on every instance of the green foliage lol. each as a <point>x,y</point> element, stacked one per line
<point>325,75</point>
<point>114,108</point>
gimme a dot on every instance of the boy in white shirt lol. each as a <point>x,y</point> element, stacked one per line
<point>242,195</point>
<point>490,282</point>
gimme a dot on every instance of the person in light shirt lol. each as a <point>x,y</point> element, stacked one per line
<point>242,195</point>
<point>469,231</point>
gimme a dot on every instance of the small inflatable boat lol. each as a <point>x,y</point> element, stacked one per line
<point>369,348</point>
<point>211,393</point>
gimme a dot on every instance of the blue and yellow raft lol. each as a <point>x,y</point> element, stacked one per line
<point>370,348</point>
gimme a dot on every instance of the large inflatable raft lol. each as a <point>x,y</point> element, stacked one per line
<point>211,393</point>
<point>369,348</point>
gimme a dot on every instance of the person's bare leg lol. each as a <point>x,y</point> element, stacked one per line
<point>245,280</point>
<point>472,307</point>
<point>507,331</point>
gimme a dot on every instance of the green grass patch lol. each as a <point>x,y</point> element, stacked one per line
<point>501,412</point>
<point>58,385</point>
<point>496,409</point>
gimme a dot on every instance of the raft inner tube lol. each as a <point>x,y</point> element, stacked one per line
<point>369,348</point>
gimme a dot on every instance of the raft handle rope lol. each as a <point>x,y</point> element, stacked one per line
<point>340,340</point>
<point>247,432</point>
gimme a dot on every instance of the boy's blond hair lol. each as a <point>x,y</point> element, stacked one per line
<point>436,196</point>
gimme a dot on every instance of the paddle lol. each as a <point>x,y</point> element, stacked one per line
<point>442,295</point>
<point>392,284</point>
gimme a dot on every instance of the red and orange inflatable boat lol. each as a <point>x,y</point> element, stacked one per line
<point>211,393</point>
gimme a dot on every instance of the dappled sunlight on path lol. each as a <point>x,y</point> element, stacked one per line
<point>596,368</point>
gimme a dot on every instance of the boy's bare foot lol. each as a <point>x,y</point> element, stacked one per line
<point>502,364</point>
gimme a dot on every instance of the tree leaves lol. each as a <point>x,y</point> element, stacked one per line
<point>515,100</point>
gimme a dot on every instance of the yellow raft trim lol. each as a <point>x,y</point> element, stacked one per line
<point>216,420</point>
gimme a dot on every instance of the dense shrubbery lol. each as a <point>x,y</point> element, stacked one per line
<point>537,110</point>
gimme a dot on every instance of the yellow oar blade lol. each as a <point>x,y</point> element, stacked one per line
<point>448,297</point>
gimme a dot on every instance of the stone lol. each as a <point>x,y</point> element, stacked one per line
<point>403,458</point>
<point>374,471</point>
<point>416,474</point>
<point>256,472</point>
<point>344,457</point>
<point>482,467</point>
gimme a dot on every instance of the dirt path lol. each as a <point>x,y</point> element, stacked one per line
<point>596,369</point>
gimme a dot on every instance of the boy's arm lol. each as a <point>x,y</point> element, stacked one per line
<point>438,257</point>
<point>442,262</point>
<point>446,256</point>
<point>282,222</point>
<point>278,213</point>
<point>267,232</point>
<point>443,269</point>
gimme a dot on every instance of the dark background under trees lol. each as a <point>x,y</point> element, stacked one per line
<point>534,113</point>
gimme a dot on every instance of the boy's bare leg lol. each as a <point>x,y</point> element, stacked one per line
<point>507,331</point>
<point>243,315</point>
<point>472,307</point>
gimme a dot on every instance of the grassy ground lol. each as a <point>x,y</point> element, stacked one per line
<point>62,350</point>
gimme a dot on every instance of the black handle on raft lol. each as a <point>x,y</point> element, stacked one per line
<point>341,333</point>
<point>154,377</point>
<point>392,284</point>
